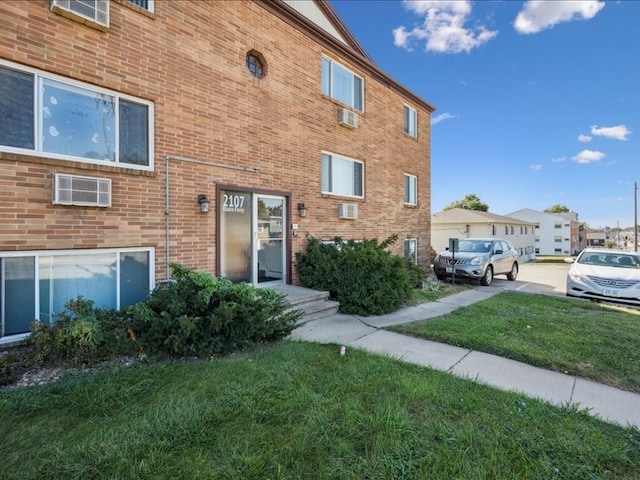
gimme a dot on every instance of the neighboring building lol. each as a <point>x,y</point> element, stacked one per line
<point>462,223</point>
<point>556,233</point>
<point>135,134</point>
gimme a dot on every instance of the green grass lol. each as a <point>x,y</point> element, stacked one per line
<point>591,340</point>
<point>443,290</point>
<point>297,410</point>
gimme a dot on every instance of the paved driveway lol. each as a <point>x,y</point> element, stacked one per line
<point>548,278</point>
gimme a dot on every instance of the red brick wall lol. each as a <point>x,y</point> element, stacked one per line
<point>188,58</point>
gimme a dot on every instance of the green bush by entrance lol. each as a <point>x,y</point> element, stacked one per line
<point>362,275</point>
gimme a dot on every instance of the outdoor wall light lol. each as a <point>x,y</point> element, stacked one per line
<point>302,209</point>
<point>204,203</point>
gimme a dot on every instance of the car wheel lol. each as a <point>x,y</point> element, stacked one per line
<point>487,277</point>
<point>513,274</point>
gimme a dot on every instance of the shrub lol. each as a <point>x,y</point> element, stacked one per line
<point>81,334</point>
<point>200,314</point>
<point>363,276</point>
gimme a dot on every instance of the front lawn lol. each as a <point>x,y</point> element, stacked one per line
<point>296,410</point>
<point>590,340</point>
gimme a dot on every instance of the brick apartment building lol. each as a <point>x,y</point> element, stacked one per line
<point>214,134</point>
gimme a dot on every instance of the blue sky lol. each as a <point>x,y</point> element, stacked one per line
<point>538,103</point>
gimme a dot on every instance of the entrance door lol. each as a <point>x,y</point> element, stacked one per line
<point>269,234</point>
<point>252,246</point>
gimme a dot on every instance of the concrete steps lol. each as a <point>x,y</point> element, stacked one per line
<point>315,304</point>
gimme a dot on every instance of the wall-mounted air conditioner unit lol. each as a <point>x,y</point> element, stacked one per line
<point>95,11</point>
<point>348,210</point>
<point>347,118</point>
<point>82,191</point>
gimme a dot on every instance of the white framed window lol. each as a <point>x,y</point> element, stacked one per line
<point>48,115</point>
<point>411,249</point>
<point>146,4</point>
<point>342,176</point>
<point>341,84</point>
<point>410,189</point>
<point>94,11</point>
<point>410,121</point>
<point>37,285</point>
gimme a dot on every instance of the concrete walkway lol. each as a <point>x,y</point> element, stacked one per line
<point>366,333</point>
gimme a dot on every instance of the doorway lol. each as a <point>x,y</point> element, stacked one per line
<point>252,246</point>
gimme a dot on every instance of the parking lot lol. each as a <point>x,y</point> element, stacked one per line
<point>547,278</point>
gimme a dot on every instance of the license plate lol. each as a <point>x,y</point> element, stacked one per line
<point>449,269</point>
<point>610,292</point>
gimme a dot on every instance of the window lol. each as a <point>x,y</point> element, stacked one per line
<point>37,285</point>
<point>410,121</point>
<point>342,176</point>
<point>557,239</point>
<point>255,64</point>
<point>558,225</point>
<point>493,229</point>
<point>342,84</point>
<point>506,230</point>
<point>411,249</point>
<point>95,11</point>
<point>146,4</point>
<point>511,228</point>
<point>410,189</point>
<point>70,120</point>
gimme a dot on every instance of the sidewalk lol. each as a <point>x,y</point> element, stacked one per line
<point>366,333</point>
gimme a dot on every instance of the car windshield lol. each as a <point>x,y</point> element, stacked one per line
<point>479,246</point>
<point>609,260</point>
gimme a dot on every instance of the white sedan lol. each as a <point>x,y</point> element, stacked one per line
<point>604,274</point>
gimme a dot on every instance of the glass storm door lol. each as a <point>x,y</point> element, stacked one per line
<point>269,245</point>
<point>252,240</point>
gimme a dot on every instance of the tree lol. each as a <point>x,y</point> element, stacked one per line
<point>557,209</point>
<point>469,202</point>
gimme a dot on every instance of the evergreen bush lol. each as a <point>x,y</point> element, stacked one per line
<point>362,275</point>
<point>199,314</point>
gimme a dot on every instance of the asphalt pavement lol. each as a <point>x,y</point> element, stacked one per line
<point>367,333</point>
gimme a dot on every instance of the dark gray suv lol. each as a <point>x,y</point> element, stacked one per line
<point>478,259</point>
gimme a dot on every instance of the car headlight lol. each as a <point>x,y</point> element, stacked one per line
<point>576,275</point>
<point>476,261</point>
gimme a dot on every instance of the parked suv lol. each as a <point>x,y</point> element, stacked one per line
<point>478,259</point>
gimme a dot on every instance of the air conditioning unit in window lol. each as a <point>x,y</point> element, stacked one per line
<point>82,191</point>
<point>347,118</point>
<point>96,11</point>
<point>348,210</point>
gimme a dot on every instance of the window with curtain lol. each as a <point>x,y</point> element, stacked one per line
<point>342,176</point>
<point>410,189</point>
<point>37,286</point>
<point>341,84</point>
<point>410,121</point>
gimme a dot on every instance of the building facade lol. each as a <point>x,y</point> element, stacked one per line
<point>556,233</point>
<point>136,133</point>
<point>462,223</point>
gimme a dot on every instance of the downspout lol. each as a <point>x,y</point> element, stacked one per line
<point>166,217</point>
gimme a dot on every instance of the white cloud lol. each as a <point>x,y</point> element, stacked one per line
<point>584,138</point>
<point>538,15</point>
<point>619,132</point>
<point>588,156</point>
<point>442,117</point>
<point>558,159</point>
<point>535,167</point>
<point>443,29</point>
